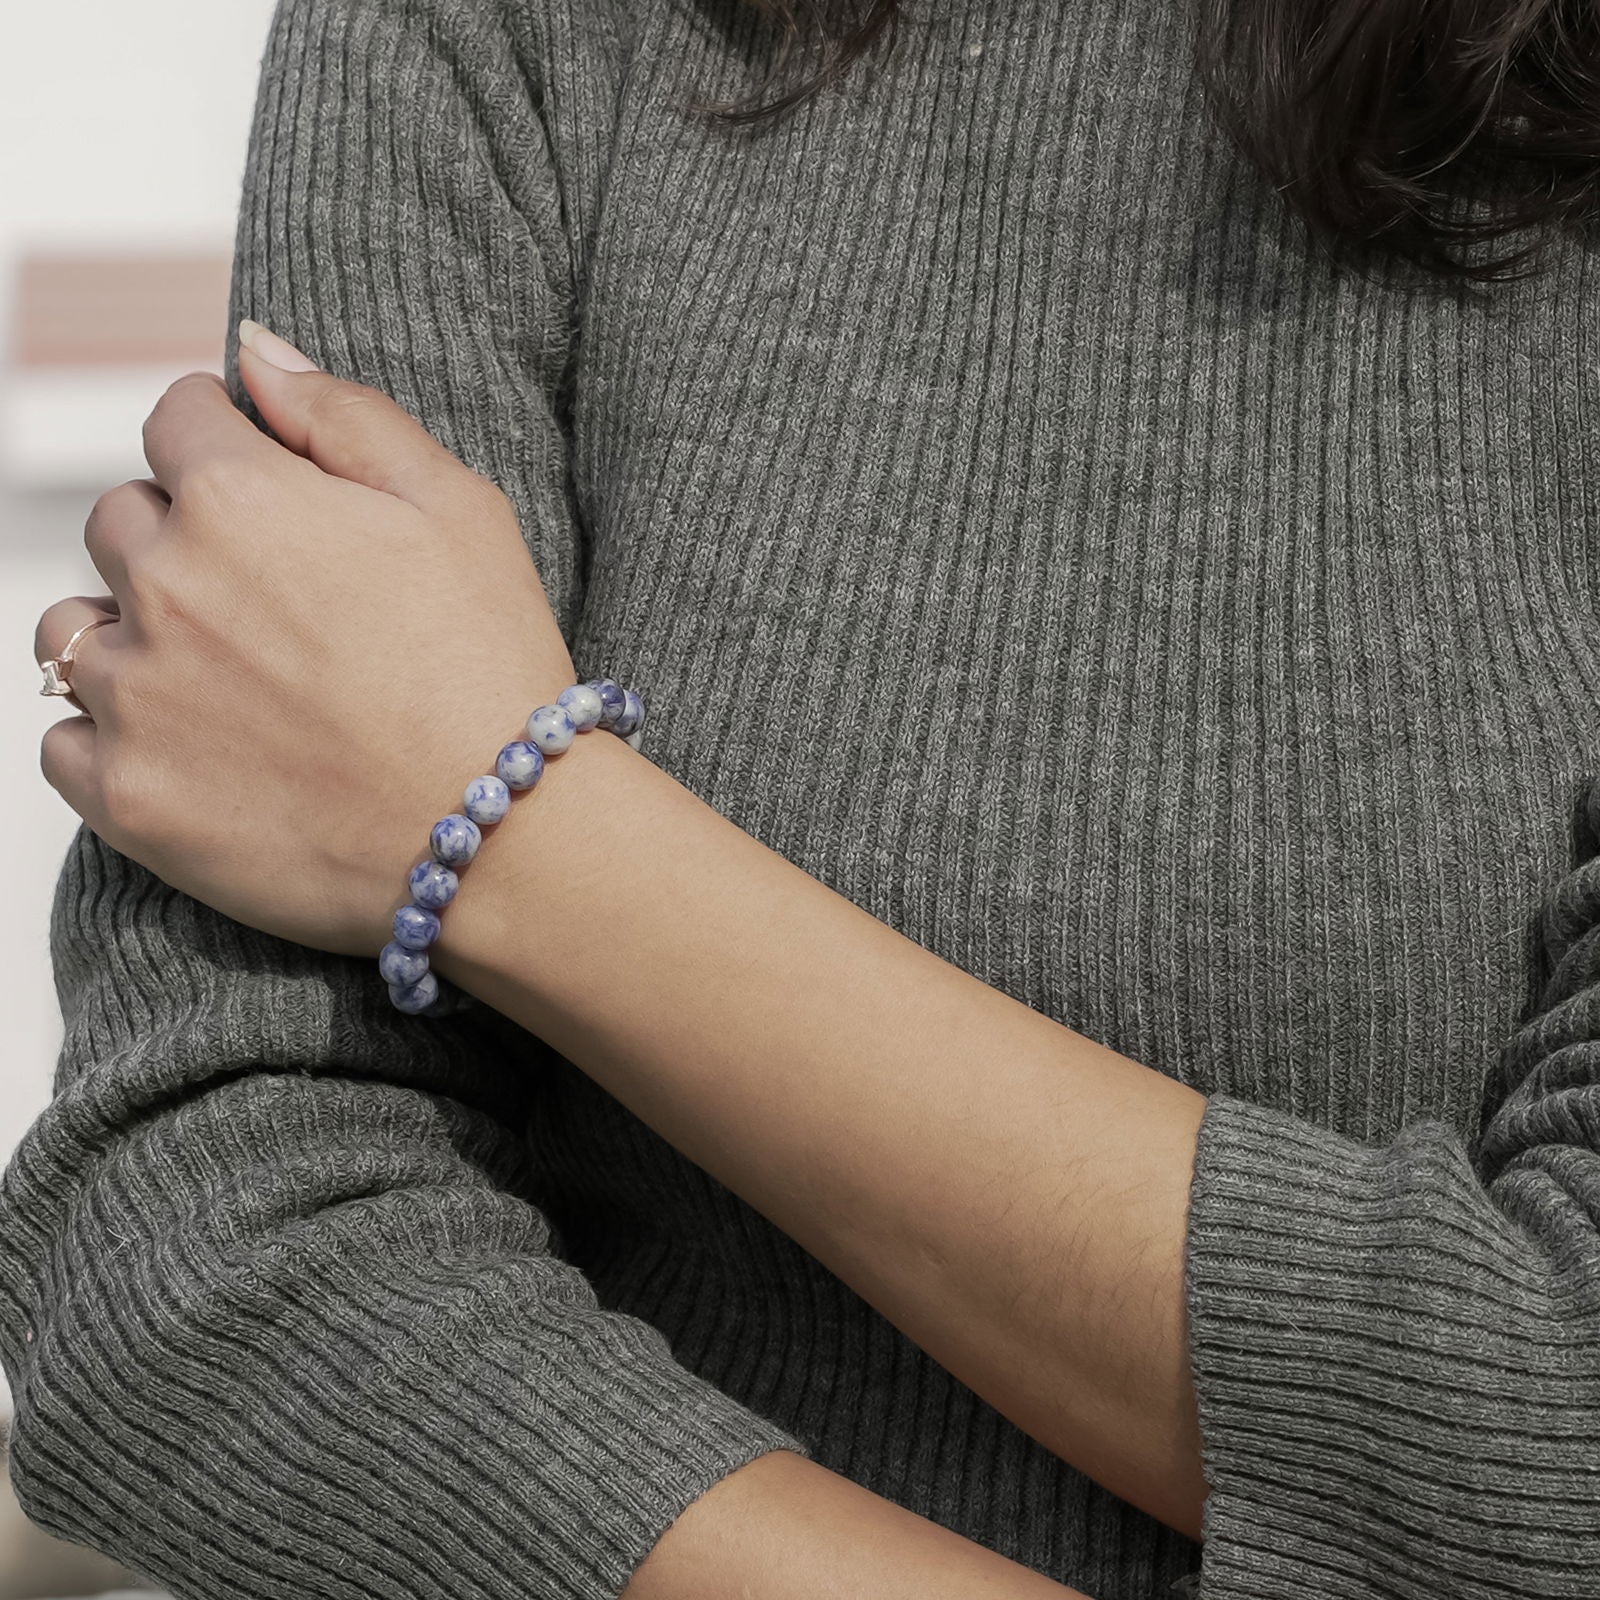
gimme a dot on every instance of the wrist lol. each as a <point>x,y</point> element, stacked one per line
<point>519,918</point>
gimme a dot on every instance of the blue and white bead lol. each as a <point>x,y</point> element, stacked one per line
<point>583,705</point>
<point>412,998</point>
<point>400,967</point>
<point>552,729</point>
<point>520,765</point>
<point>415,927</point>
<point>486,801</point>
<point>454,840</point>
<point>611,699</point>
<point>433,886</point>
<point>632,718</point>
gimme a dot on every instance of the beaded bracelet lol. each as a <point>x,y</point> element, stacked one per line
<point>454,840</point>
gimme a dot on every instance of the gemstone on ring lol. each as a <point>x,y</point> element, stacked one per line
<point>57,670</point>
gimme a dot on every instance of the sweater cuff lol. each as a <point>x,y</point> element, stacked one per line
<point>1316,1269</point>
<point>475,1462</point>
<point>654,1438</point>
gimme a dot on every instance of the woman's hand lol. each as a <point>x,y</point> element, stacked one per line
<point>318,643</point>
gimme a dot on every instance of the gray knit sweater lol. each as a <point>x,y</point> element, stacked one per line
<point>991,380</point>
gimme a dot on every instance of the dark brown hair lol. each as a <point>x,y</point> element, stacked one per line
<point>1424,129</point>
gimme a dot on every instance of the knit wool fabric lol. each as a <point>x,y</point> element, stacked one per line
<point>989,390</point>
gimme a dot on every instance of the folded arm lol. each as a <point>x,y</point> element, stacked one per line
<point>1395,1349</point>
<point>1004,1190</point>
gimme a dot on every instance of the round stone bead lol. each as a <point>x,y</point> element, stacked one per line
<point>433,886</point>
<point>415,927</point>
<point>611,698</point>
<point>401,967</point>
<point>520,765</point>
<point>552,729</point>
<point>487,800</point>
<point>454,840</point>
<point>583,705</point>
<point>632,718</point>
<point>412,998</point>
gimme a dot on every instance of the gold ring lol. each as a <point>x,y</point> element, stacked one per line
<point>58,669</point>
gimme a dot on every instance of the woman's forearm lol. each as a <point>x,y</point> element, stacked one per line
<point>784,1528</point>
<point>1008,1193</point>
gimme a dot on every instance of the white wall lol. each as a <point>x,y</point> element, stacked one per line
<point>122,128</point>
<point>125,121</point>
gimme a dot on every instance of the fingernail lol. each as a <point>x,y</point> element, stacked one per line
<point>278,352</point>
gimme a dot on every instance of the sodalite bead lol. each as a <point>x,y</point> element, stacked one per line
<point>520,765</point>
<point>552,729</point>
<point>632,718</point>
<point>487,800</point>
<point>433,886</point>
<point>415,927</point>
<point>414,997</point>
<point>454,840</point>
<point>583,705</point>
<point>611,698</point>
<point>400,966</point>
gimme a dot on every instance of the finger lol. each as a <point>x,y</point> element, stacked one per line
<point>124,522</point>
<point>347,429</point>
<point>91,665</point>
<point>67,759</point>
<point>195,424</point>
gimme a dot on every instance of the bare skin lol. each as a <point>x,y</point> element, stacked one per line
<point>784,1528</point>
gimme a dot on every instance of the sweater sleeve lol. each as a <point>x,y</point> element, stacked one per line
<point>277,1313</point>
<point>1397,1349</point>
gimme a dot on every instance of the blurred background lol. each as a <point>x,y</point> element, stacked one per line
<point>122,143</point>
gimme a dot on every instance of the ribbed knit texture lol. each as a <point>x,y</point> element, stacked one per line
<point>990,383</point>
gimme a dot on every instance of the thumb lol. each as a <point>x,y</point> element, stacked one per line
<point>347,429</point>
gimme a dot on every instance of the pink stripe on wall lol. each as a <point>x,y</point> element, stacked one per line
<point>113,310</point>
